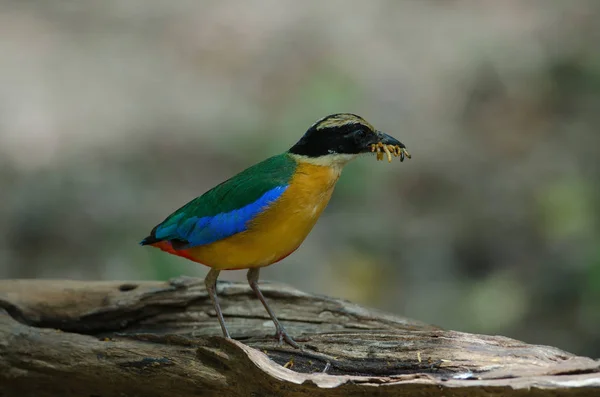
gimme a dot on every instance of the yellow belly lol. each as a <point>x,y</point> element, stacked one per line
<point>279,230</point>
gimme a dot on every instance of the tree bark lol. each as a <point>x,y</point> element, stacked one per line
<point>76,338</point>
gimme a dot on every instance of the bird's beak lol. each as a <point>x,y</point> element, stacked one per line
<point>388,140</point>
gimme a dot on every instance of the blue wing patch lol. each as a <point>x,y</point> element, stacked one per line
<point>208,229</point>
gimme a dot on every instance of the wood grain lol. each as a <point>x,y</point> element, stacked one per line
<point>74,338</point>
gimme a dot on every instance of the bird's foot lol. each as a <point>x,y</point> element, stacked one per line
<point>282,335</point>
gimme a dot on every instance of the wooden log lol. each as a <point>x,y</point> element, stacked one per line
<point>76,338</point>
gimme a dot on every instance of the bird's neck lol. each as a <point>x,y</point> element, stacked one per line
<point>319,174</point>
<point>334,161</point>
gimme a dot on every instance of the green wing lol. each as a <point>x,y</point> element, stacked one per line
<point>227,208</point>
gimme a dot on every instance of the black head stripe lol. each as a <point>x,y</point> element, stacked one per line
<point>341,133</point>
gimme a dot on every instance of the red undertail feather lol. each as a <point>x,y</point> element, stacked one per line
<point>167,247</point>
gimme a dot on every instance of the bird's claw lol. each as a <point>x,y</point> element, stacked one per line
<point>282,335</point>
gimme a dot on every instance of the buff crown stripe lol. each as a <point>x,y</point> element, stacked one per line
<point>341,121</point>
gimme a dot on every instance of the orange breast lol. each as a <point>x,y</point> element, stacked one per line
<point>279,230</point>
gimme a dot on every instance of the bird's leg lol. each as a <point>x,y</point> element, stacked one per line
<point>211,287</point>
<point>280,331</point>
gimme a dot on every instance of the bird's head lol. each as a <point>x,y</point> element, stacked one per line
<point>339,138</point>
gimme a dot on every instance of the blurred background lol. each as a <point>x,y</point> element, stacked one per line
<point>114,113</point>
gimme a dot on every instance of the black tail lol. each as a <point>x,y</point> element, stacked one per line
<point>149,240</point>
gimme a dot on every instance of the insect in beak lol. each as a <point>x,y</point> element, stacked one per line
<point>389,150</point>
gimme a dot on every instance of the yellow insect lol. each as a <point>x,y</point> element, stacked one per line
<point>389,150</point>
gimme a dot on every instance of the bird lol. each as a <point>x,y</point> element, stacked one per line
<point>263,214</point>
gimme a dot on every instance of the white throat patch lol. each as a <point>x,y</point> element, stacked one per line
<point>335,160</point>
